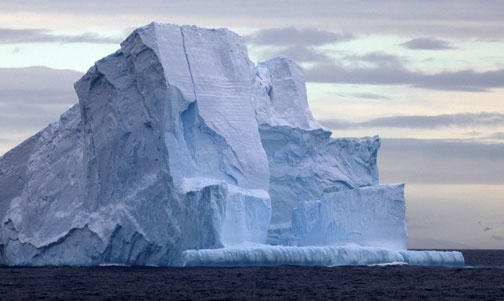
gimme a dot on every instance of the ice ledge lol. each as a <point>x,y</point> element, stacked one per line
<point>265,255</point>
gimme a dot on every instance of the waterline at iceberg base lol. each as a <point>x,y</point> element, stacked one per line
<point>183,152</point>
<point>266,255</point>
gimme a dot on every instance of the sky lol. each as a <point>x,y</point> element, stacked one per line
<point>427,76</point>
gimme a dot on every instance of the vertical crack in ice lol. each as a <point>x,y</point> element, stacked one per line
<point>270,90</point>
<point>188,64</point>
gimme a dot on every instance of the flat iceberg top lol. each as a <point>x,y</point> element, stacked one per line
<point>186,52</point>
<point>278,90</point>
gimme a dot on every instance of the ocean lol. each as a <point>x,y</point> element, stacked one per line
<point>481,279</point>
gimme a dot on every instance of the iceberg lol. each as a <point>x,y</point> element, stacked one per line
<point>183,152</point>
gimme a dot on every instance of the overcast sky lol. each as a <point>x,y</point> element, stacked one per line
<point>427,76</point>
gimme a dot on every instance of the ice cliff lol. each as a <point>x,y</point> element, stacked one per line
<point>180,151</point>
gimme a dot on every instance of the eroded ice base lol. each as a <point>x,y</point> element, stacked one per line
<point>265,255</point>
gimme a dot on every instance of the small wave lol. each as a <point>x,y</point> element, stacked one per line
<point>113,265</point>
<point>388,263</point>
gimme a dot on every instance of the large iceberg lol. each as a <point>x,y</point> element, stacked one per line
<point>183,152</point>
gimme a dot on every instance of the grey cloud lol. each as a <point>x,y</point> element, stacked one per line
<point>497,237</point>
<point>290,36</point>
<point>422,17</point>
<point>473,133</point>
<point>366,96</point>
<point>497,136</point>
<point>37,78</point>
<point>395,74</point>
<point>333,73</point>
<point>427,44</point>
<point>380,59</point>
<point>466,80</point>
<point>17,36</point>
<point>5,140</point>
<point>416,227</point>
<point>419,161</point>
<point>338,124</point>
<point>424,121</point>
<point>430,243</point>
<point>299,54</point>
<point>377,59</point>
<point>31,98</point>
<point>487,229</point>
<point>488,40</point>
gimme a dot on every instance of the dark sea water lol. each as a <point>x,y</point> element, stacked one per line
<point>481,279</point>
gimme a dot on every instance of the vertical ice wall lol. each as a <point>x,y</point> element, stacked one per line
<point>163,137</point>
<point>373,216</point>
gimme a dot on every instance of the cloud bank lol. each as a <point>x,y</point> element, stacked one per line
<point>18,36</point>
<point>392,73</point>
<point>427,44</point>
<point>422,161</point>
<point>289,36</point>
<point>31,98</point>
<point>424,121</point>
<point>454,18</point>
